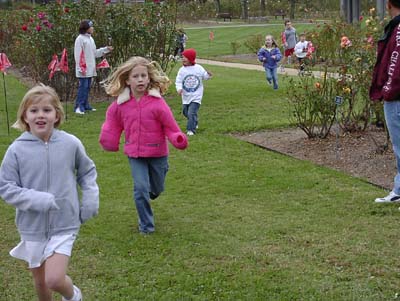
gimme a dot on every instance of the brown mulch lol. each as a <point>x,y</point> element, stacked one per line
<point>358,154</point>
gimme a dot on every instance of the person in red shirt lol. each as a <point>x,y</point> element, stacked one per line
<point>386,87</point>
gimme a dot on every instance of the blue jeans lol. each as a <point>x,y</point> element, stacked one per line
<point>148,181</point>
<point>190,112</point>
<point>392,117</point>
<point>82,98</point>
<point>271,75</point>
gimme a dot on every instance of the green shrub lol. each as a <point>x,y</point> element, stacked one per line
<point>352,50</point>
<point>312,104</point>
<point>235,45</point>
<point>254,42</point>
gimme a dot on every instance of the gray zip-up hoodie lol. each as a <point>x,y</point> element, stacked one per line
<point>40,179</point>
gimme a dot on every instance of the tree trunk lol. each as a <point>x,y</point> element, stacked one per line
<point>262,7</point>
<point>380,8</point>
<point>245,10</point>
<point>217,6</point>
<point>292,8</point>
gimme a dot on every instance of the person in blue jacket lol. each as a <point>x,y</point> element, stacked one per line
<point>270,55</point>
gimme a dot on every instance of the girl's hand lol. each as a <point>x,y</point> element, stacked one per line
<point>54,206</point>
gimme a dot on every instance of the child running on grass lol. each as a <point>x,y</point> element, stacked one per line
<point>143,115</point>
<point>189,84</point>
<point>302,51</point>
<point>289,40</point>
<point>39,176</point>
<point>270,55</point>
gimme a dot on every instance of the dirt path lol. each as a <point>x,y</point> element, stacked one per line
<point>287,71</point>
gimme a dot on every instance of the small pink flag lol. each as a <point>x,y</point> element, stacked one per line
<point>53,66</point>
<point>63,64</point>
<point>103,64</point>
<point>4,62</point>
<point>211,36</point>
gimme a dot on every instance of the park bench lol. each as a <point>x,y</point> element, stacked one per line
<point>278,13</point>
<point>224,16</point>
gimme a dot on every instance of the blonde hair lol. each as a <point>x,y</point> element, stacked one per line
<point>34,96</point>
<point>272,39</point>
<point>116,82</point>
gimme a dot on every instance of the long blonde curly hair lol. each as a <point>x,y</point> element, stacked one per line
<point>116,82</point>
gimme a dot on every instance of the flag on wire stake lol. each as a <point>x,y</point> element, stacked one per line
<point>53,66</point>
<point>210,39</point>
<point>63,66</point>
<point>4,65</point>
<point>103,64</point>
<point>60,65</point>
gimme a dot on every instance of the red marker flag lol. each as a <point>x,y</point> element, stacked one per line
<point>53,66</point>
<point>82,62</point>
<point>63,64</point>
<point>211,36</point>
<point>103,64</point>
<point>4,62</point>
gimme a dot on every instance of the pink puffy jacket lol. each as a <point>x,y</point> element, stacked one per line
<point>146,124</point>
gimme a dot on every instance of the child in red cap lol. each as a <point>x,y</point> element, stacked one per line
<point>189,84</point>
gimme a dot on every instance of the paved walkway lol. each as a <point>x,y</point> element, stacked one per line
<point>288,71</point>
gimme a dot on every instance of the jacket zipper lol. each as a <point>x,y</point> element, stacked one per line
<point>139,122</point>
<point>47,185</point>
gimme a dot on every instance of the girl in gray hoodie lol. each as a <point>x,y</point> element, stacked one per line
<point>39,176</point>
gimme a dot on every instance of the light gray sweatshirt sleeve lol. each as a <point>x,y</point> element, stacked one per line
<point>14,194</point>
<point>86,178</point>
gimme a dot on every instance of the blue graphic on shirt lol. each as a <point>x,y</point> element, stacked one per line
<point>191,83</point>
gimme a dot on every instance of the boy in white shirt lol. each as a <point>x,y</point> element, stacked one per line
<point>301,51</point>
<point>189,84</point>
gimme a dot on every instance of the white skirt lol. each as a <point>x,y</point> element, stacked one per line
<point>36,252</point>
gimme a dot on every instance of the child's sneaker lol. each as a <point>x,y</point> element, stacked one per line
<point>77,295</point>
<point>189,133</point>
<point>390,198</point>
<point>78,111</point>
<point>269,82</point>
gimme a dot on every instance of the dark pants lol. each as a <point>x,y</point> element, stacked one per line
<point>82,98</point>
<point>190,112</point>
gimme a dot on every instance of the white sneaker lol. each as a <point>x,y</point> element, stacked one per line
<point>78,111</point>
<point>93,110</point>
<point>77,295</point>
<point>189,133</point>
<point>390,198</point>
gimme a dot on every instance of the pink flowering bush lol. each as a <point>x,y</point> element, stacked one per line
<point>39,33</point>
<point>349,52</point>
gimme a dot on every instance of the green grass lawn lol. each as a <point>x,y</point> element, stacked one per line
<point>236,222</point>
<point>225,34</point>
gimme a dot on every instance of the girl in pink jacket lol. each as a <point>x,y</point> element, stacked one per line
<point>146,120</point>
